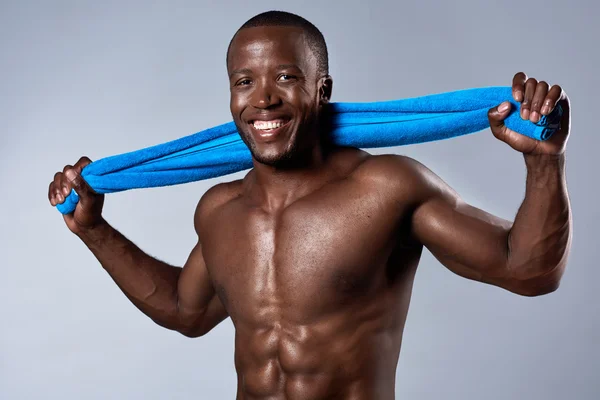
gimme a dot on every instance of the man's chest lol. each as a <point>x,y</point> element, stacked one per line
<point>314,254</point>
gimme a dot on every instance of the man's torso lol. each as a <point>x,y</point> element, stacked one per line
<point>318,290</point>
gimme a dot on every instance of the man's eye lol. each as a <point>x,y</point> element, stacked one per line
<point>244,82</point>
<point>285,77</point>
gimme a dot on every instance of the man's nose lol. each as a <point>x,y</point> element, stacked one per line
<point>264,95</point>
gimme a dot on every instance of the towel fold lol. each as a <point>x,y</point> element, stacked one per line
<point>220,151</point>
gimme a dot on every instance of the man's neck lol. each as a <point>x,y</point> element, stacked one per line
<point>277,187</point>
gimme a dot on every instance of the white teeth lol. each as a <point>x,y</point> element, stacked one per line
<point>266,125</point>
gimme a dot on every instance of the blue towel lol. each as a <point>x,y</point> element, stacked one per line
<point>220,151</point>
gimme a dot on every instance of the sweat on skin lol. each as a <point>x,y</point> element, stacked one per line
<point>313,253</point>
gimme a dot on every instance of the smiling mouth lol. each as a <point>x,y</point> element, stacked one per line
<point>268,129</point>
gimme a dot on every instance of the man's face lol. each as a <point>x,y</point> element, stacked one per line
<point>275,98</point>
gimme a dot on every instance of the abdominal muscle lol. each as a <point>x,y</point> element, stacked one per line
<point>351,354</point>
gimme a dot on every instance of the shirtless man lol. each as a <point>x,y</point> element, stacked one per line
<point>313,253</point>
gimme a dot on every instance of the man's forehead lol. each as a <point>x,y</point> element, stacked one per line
<point>286,41</point>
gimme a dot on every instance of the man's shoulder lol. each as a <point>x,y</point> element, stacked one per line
<point>216,197</point>
<point>399,176</point>
<point>403,181</point>
<point>391,169</point>
<point>382,163</point>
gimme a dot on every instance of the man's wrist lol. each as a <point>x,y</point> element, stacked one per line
<point>96,234</point>
<point>544,169</point>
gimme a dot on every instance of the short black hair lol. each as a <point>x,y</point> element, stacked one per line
<point>314,37</point>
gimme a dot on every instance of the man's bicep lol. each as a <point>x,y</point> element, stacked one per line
<point>199,306</point>
<point>467,240</point>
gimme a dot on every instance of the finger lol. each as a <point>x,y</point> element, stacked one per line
<point>528,97</point>
<point>51,194</point>
<point>77,182</point>
<point>496,116</point>
<point>555,94</point>
<point>56,188</point>
<point>64,185</point>
<point>541,90</point>
<point>82,163</point>
<point>518,85</point>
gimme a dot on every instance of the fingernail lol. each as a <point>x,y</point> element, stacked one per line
<point>518,96</point>
<point>70,174</point>
<point>535,116</point>
<point>504,106</point>
<point>525,113</point>
<point>545,110</point>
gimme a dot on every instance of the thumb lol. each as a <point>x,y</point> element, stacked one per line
<point>84,191</point>
<point>496,116</point>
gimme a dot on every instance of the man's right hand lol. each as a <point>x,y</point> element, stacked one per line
<point>88,212</point>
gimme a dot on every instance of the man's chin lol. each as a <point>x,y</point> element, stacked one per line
<point>277,160</point>
<point>278,155</point>
<point>289,157</point>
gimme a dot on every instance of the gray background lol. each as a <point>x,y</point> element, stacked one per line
<point>100,78</point>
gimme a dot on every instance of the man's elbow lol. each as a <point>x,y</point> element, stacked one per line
<point>193,328</point>
<point>191,333</point>
<point>176,326</point>
<point>540,285</point>
<point>189,327</point>
<point>538,289</point>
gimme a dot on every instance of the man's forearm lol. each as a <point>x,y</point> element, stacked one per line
<point>540,237</point>
<point>150,284</point>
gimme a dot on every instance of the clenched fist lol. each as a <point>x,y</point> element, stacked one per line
<point>88,212</point>
<point>537,99</point>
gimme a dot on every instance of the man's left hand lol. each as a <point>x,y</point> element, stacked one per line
<point>537,99</point>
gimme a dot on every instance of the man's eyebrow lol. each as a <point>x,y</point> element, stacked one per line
<point>242,71</point>
<point>286,66</point>
<point>247,71</point>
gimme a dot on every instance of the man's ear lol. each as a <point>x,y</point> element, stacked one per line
<point>325,89</point>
